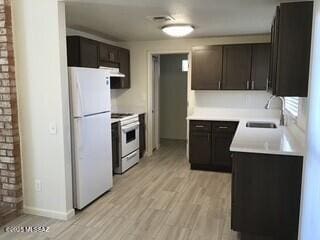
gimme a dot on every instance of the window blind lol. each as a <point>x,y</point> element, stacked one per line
<point>292,105</point>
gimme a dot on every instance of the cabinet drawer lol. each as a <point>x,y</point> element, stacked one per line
<point>225,126</point>
<point>200,126</point>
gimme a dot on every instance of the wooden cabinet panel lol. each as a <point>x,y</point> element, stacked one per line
<point>82,52</point>
<point>115,145</point>
<point>89,53</point>
<point>222,136</point>
<point>209,144</point>
<point>266,195</point>
<point>206,68</point>
<point>124,62</point>
<point>260,66</point>
<point>291,43</point>
<point>236,67</point>
<point>221,156</point>
<point>245,67</point>
<point>104,53</point>
<point>274,53</point>
<point>294,49</point>
<point>109,55</point>
<point>142,135</point>
<point>200,144</point>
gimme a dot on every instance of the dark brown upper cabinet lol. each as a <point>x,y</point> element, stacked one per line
<point>274,53</point>
<point>206,68</point>
<point>109,55</point>
<point>82,52</point>
<point>124,60</point>
<point>260,66</point>
<point>231,67</point>
<point>291,43</point>
<point>124,64</point>
<point>236,67</point>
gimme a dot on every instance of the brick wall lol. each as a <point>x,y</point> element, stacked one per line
<point>10,162</point>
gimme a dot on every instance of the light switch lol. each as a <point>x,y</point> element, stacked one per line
<point>53,128</point>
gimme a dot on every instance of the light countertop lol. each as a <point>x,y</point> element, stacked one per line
<point>114,120</point>
<point>128,109</point>
<point>277,141</point>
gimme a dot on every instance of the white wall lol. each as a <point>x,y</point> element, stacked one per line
<point>41,71</point>
<point>173,97</point>
<point>310,205</point>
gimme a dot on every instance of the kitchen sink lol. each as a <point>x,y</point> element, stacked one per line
<point>261,125</point>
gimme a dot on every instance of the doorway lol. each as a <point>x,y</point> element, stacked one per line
<point>169,97</point>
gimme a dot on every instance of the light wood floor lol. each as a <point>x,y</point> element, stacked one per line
<point>159,199</point>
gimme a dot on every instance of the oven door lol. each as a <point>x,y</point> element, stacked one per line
<point>129,138</point>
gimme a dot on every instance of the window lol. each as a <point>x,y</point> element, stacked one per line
<point>185,65</point>
<point>292,106</point>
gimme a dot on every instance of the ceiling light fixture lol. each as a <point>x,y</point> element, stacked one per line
<point>178,30</point>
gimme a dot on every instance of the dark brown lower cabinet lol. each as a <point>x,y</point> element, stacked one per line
<point>266,196</point>
<point>209,143</point>
<point>223,133</point>
<point>142,135</point>
<point>115,145</point>
<point>200,149</point>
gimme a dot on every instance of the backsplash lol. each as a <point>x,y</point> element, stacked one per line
<point>233,99</point>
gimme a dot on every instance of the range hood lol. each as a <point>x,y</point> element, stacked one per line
<point>114,72</point>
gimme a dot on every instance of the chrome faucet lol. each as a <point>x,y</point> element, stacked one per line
<point>267,106</point>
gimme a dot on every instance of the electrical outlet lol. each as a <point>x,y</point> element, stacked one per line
<point>37,184</point>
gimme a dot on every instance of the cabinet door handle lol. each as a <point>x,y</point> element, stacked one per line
<point>248,85</point>
<point>199,126</point>
<point>208,137</point>
<point>221,127</point>
<point>219,85</point>
<point>252,85</point>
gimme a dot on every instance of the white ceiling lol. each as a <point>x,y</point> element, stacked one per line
<point>127,20</point>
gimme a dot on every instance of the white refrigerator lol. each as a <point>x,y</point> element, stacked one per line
<point>90,134</point>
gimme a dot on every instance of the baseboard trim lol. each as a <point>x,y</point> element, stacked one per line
<point>49,213</point>
<point>207,167</point>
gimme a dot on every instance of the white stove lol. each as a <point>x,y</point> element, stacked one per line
<point>129,140</point>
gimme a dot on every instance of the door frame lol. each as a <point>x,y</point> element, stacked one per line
<point>150,92</point>
<point>155,102</point>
